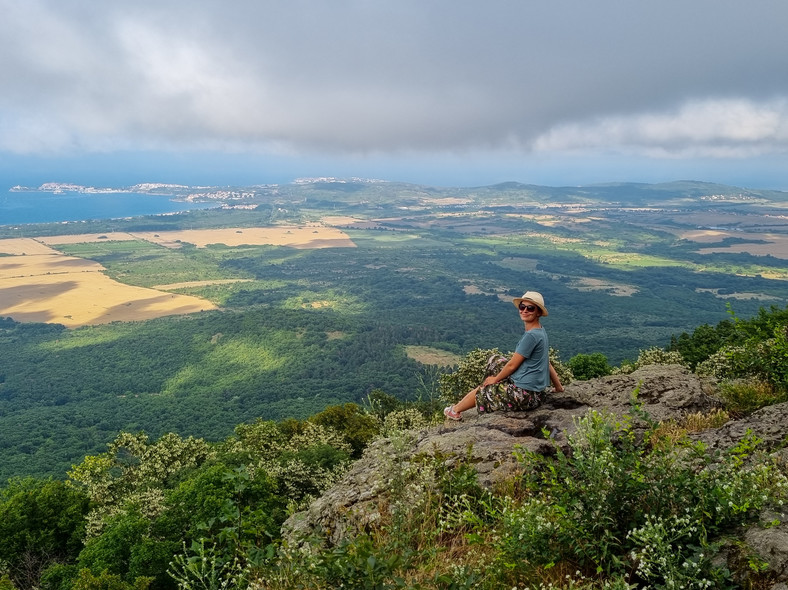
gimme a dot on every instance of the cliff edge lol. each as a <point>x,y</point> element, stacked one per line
<point>488,442</point>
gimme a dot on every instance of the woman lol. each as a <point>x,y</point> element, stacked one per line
<point>522,382</point>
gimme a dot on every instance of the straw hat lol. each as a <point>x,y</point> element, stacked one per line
<point>533,297</point>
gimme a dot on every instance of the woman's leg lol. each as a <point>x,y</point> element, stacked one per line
<point>466,403</point>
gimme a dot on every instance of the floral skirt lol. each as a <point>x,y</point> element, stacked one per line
<point>505,395</point>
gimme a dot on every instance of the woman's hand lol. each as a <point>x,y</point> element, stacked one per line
<point>509,368</point>
<point>555,380</point>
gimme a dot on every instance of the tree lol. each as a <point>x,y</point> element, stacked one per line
<point>589,366</point>
<point>357,427</point>
<point>41,523</point>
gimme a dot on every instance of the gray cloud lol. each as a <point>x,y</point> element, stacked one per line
<point>356,76</point>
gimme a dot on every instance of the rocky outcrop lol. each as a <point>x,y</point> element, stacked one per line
<point>487,442</point>
<point>769,424</point>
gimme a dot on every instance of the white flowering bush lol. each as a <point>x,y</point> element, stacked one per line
<point>654,551</point>
<point>315,435</point>
<point>262,439</point>
<point>132,472</point>
<point>617,505</point>
<point>533,524</point>
<point>407,419</point>
<point>651,356</point>
<point>301,482</point>
<point>564,370</point>
<point>719,364</point>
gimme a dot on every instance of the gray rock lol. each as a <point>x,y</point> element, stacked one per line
<point>768,424</point>
<point>770,543</point>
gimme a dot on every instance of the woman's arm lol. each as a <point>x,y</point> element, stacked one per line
<point>555,380</point>
<point>509,368</point>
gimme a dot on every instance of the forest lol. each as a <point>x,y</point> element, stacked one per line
<point>304,329</point>
<point>182,513</point>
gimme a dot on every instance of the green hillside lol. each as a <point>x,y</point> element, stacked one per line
<point>432,267</point>
<point>618,511</point>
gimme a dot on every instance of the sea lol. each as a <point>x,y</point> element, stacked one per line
<point>25,207</point>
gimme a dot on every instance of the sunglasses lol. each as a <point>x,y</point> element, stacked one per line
<point>524,307</point>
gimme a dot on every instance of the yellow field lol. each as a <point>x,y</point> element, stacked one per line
<point>777,244</point>
<point>427,355</point>
<point>616,289</point>
<point>74,292</point>
<point>304,237</point>
<point>186,285</point>
<point>40,284</point>
<point>23,247</point>
<point>84,238</point>
<point>340,220</point>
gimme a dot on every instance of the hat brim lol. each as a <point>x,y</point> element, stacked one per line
<point>519,300</point>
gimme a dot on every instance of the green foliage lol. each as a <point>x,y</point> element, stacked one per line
<point>406,419</point>
<point>201,568</point>
<point>612,505</point>
<point>132,474</point>
<point>589,366</point>
<point>380,404</point>
<point>186,498</point>
<point>609,514</point>
<point>742,397</point>
<point>41,523</point>
<point>314,333</point>
<point>115,549</point>
<point>356,563</point>
<point>704,342</point>
<point>86,580</point>
<point>352,422</point>
<point>350,312</point>
<point>652,356</point>
<point>777,359</point>
<point>755,348</point>
<point>753,366</point>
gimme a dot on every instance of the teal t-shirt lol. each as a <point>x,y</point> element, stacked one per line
<point>534,372</point>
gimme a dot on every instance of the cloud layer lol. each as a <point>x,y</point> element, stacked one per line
<point>668,79</point>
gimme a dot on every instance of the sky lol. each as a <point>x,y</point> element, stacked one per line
<point>441,92</point>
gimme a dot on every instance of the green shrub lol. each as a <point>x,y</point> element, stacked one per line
<point>86,580</point>
<point>358,427</point>
<point>41,523</point>
<point>744,396</point>
<point>611,506</point>
<point>652,356</point>
<point>407,419</point>
<point>589,366</point>
<point>380,404</point>
<point>204,567</point>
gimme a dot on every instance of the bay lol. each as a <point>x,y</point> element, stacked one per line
<point>23,207</point>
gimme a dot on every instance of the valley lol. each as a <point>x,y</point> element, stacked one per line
<point>288,299</point>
